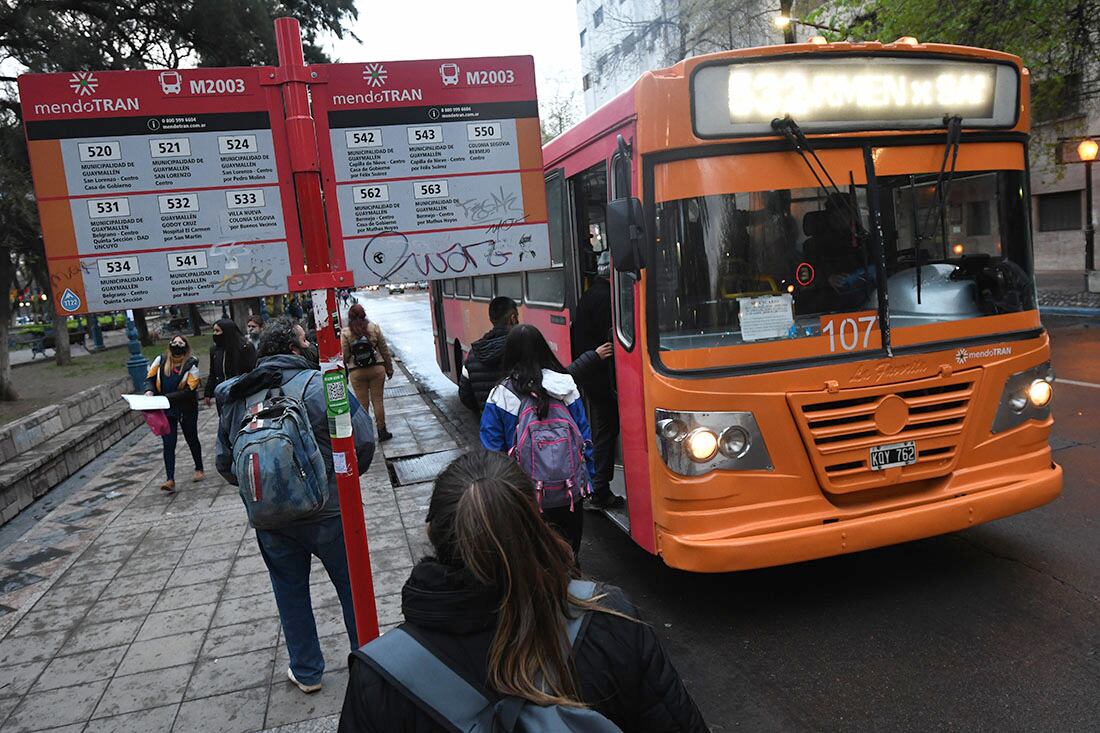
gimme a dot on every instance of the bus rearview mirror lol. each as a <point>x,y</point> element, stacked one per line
<point>625,234</point>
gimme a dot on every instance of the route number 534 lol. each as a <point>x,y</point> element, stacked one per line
<point>849,332</point>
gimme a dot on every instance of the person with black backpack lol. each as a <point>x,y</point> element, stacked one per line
<point>369,362</point>
<point>499,635</point>
<point>274,446</point>
<point>535,414</point>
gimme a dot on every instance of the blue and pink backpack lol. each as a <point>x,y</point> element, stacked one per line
<point>551,451</point>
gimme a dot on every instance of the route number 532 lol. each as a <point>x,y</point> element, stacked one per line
<point>849,332</point>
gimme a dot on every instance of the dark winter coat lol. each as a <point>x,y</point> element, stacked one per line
<point>481,372</point>
<point>592,328</point>
<point>622,670</point>
<point>222,368</point>
<point>183,398</point>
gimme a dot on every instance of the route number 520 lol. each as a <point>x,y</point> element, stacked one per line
<point>849,332</point>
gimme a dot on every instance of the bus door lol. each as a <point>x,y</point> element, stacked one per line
<point>439,326</point>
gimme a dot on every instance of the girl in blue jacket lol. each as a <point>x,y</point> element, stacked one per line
<point>530,368</point>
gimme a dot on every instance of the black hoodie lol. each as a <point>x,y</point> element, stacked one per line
<point>622,669</point>
<point>481,372</point>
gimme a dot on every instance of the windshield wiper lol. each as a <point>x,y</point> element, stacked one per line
<point>943,188</point>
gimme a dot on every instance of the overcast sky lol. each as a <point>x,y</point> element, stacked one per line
<point>397,30</point>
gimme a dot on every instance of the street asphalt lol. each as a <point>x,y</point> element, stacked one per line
<point>994,628</point>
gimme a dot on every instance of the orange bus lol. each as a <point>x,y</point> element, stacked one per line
<point>826,332</point>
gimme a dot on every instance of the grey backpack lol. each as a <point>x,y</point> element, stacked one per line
<point>458,705</point>
<point>281,474</point>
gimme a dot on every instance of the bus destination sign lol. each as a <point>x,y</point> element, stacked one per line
<point>159,187</point>
<point>852,93</point>
<point>436,167</point>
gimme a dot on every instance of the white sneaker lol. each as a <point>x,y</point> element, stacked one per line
<point>308,689</point>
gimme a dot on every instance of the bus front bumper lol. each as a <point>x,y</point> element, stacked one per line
<point>716,555</point>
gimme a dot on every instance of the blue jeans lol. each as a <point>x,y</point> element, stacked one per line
<point>288,553</point>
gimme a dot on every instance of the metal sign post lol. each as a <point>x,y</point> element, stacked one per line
<point>294,77</point>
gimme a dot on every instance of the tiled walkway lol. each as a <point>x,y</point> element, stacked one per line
<point>131,610</point>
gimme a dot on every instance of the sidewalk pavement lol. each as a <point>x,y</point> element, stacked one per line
<point>1064,291</point>
<point>126,609</point>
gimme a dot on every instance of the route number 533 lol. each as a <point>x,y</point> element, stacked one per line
<point>849,332</point>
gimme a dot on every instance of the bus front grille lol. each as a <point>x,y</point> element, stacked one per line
<point>840,429</point>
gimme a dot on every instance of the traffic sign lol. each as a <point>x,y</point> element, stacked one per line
<point>436,167</point>
<point>159,187</point>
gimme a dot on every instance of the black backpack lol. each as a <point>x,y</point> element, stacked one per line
<point>363,353</point>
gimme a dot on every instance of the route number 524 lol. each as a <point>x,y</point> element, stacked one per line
<point>849,332</point>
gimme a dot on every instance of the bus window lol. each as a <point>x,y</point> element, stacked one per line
<point>483,287</point>
<point>590,205</point>
<point>973,261</point>
<point>449,287</point>
<point>715,252</point>
<point>546,287</point>
<point>623,284</point>
<point>462,287</point>
<point>555,215</point>
<point>511,286</point>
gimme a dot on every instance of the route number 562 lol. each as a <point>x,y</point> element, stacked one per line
<point>849,332</point>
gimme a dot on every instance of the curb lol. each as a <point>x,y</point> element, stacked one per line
<point>1057,310</point>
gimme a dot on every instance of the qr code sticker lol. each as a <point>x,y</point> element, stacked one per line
<point>335,391</point>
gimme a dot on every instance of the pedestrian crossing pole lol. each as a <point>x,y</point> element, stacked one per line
<point>294,77</point>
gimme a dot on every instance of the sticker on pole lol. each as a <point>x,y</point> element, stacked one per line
<point>436,165</point>
<point>161,187</point>
<point>338,409</point>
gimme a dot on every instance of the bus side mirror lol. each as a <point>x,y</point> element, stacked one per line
<point>626,234</point>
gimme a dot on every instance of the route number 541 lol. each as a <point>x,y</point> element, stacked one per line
<point>849,332</point>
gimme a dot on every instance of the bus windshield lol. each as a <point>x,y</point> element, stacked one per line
<point>778,265</point>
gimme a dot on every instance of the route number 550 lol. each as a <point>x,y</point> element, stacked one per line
<point>849,332</point>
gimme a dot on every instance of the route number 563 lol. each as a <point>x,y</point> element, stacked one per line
<point>849,332</point>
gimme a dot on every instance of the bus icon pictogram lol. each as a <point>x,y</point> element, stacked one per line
<point>170,82</point>
<point>449,74</point>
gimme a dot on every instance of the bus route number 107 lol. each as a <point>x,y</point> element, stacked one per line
<point>849,331</point>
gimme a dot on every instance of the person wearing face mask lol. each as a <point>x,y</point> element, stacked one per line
<point>175,375</point>
<point>255,326</point>
<point>231,356</point>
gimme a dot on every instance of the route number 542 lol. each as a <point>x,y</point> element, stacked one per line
<point>849,332</point>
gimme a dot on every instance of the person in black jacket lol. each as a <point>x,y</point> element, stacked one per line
<point>481,372</point>
<point>496,616</point>
<point>591,328</point>
<point>231,356</point>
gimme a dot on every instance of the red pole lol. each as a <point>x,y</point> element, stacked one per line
<point>305,165</point>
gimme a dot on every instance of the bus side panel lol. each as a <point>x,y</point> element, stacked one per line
<point>554,325</point>
<point>464,327</point>
<point>634,430</point>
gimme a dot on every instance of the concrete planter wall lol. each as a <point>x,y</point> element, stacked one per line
<point>41,450</point>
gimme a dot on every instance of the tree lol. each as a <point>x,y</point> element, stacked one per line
<point>77,35</point>
<point>559,107</point>
<point>1059,40</point>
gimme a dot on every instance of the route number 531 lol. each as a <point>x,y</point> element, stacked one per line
<point>849,332</point>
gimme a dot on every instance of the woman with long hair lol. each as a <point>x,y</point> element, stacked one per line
<point>175,375</point>
<point>494,604</point>
<point>534,377</point>
<point>231,356</point>
<point>369,362</point>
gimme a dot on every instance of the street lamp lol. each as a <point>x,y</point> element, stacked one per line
<point>1087,150</point>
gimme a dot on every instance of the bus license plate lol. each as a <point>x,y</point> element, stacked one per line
<point>893,455</point>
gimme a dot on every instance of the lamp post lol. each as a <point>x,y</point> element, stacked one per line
<point>785,21</point>
<point>137,364</point>
<point>1087,150</point>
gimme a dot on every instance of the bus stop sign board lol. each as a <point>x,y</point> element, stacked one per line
<point>436,167</point>
<point>158,187</point>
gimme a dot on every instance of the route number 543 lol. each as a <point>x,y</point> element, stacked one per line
<point>849,332</point>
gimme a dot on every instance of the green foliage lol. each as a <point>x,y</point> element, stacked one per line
<point>1059,40</point>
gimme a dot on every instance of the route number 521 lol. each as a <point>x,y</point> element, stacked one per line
<point>849,332</point>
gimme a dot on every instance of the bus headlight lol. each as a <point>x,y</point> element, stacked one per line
<point>701,444</point>
<point>734,441</point>
<point>1026,396</point>
<point>695,443</point>
<point>1040,392</point>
